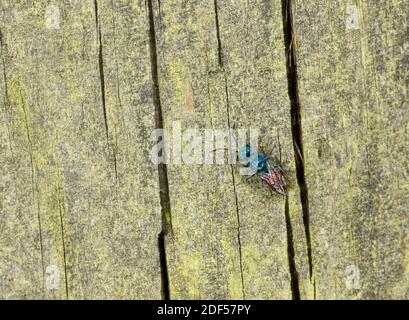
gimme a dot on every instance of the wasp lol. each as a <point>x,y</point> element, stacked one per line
<point>269,172</point>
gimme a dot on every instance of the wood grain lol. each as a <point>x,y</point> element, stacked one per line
<point>353,72</point>
<point>79,114</point>
<point>86,214</point>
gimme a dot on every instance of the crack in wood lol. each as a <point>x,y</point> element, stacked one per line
<point>221,65</point>
<point>296,124</point>
<point>101,67</point>
<point>6,96</point>
<point>60,208</point>
<point>33,185</point>
<point>162,169</point>
<point>102,85</point>
<point>235,195</point>
<point>295,289</point>
<point>219,41</point>
<point>165,290</point>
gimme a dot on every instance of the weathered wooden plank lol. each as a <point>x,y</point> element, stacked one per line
<point>202,248</point>
<point>253,56</point>
<point>21,271</point>
<point>353,73</point>
<point>78,114</point>
<point>131,118</point>
<point>33,264</point>
<point>214,72</point>
<point>80,209</point>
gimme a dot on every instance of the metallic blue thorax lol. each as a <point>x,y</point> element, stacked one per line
<point>252,159</point>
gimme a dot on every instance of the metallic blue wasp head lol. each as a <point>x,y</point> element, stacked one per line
<point>249,157</point>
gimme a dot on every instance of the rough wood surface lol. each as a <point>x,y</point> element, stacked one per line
<point>202,246</point>
<point>80,209</point>
<point>254,66</point>
<point>85,214</point>
<point>353,76</point>
<point>229,236</point>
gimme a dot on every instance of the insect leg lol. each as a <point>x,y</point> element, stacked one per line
<point>249,177</point>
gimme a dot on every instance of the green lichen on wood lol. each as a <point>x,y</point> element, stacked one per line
<point>353,95</point>
<point>80,199</point>
<point>96,231</point>
<point>202,251</point>
<point>223,64</point>
<point>253,57</point>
